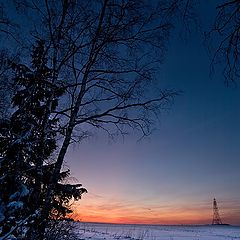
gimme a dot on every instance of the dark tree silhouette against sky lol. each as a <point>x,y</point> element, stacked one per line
<point>122,64</point>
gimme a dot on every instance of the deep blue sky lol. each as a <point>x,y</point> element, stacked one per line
<point>193,157</point>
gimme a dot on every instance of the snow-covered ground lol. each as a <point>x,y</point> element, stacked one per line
<point>95,231</point>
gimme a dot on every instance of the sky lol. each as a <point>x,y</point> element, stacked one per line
<point>173,176</point>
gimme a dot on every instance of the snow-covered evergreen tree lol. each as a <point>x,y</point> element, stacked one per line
<point>28,141</point>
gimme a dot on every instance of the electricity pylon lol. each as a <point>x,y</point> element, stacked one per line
<point>216,217</point>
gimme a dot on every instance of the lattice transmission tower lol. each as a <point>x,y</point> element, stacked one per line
<point>216,217</point>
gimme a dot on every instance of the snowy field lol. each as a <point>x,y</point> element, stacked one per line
<point>96,231</point>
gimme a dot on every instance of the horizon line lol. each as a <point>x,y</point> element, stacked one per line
<point>159,224</point>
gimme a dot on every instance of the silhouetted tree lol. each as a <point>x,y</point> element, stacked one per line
<point>28,140</point>
<point>104,54</point>
<point>226,36</point>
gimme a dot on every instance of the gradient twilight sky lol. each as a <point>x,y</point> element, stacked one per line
<point>172,177</point>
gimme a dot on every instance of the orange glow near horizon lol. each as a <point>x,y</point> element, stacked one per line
<point>103,211</point>
<point>136,216</point>
<point>141,219</point>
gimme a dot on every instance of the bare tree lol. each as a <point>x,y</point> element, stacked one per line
<point>109,49</point>
<point>226,32</point>
<point>105,54</point>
